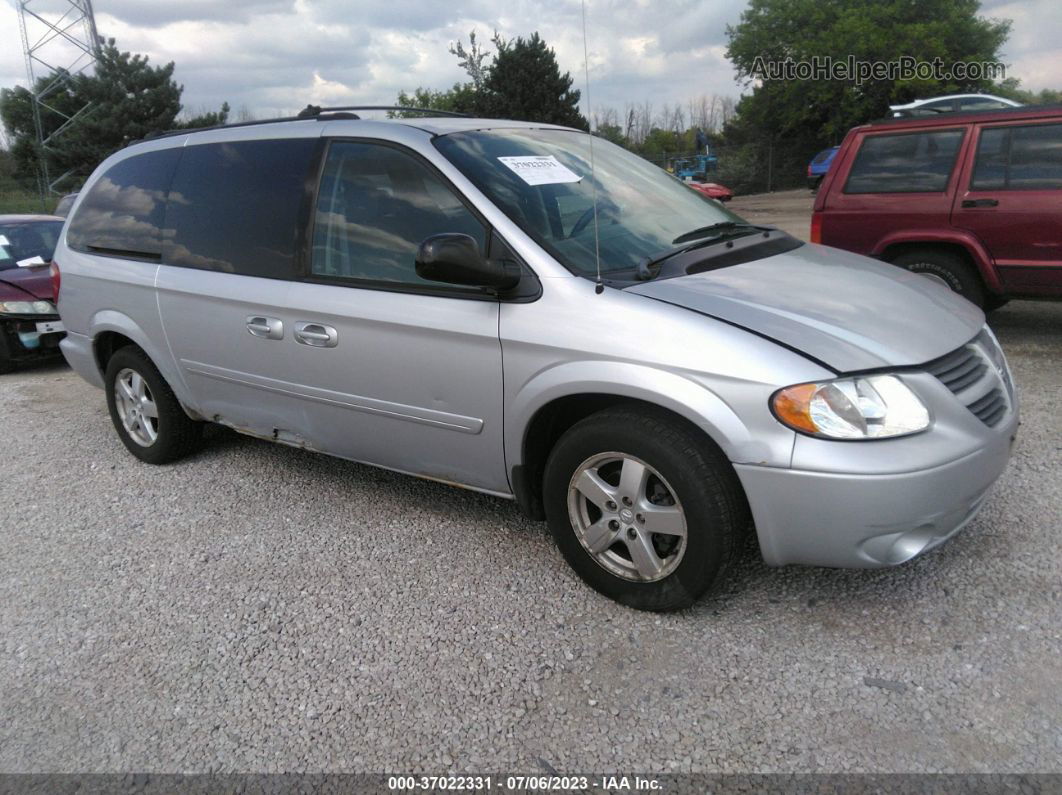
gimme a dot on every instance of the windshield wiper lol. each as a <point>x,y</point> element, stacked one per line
<point>712,230</point>
<point>702,236</point>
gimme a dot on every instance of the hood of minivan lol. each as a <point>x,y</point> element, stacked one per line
<point>36,282</point>
<point>847,311</point>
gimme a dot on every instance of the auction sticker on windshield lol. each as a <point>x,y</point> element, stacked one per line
<point>540,169</point>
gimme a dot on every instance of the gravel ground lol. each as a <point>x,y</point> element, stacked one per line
<point>790,210</point>
<point>259,608</point>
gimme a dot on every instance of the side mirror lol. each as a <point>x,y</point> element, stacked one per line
<point>455,259</point>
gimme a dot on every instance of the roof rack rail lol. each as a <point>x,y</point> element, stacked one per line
<point>312,111</point>
<point>309,112</point>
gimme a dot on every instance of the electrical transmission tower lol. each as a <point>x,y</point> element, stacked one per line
<point>59,40</point>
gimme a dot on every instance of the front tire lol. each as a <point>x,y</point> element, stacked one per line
<point>145,412</point>
<point>946,268</point>
<point>642,509</point>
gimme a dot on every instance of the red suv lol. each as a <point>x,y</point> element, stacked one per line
<point>973,200</point>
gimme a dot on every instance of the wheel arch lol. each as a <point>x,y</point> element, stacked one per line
<point>550,404</point>
<point>965,245</point>
<point>112,331</point>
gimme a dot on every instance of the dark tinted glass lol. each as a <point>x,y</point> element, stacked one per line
<point>1019,158</point>
<point>981,103</point>
<point>904,163</point>
<point>123,212</point>
<point>375,206</point>
<point>236,206</point>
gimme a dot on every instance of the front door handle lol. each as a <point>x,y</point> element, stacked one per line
<point>316,335</point>
<point>980,202</point>
<point>266,327</point>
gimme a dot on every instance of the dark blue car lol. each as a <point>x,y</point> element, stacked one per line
<point>819,165</point>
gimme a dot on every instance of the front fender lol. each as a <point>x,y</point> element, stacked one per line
<point>682,395</point>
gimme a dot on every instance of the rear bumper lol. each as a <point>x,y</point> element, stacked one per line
<point>78,352</point>
<point>869,521</point>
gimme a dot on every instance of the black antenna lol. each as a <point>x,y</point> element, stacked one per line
<point>600,286</point>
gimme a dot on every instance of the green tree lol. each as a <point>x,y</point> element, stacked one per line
<point>789,116</point>
<point>208,118</point>
<point>524,82</point>
<point>459,99</point>
<point>127,99</point>
<point>1011,89</point>
<point>474,60</point>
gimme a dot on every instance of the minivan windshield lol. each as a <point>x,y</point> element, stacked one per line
<point>542,180</point>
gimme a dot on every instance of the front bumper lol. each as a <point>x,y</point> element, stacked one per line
<point>22,341</point>
<point>868,520</point>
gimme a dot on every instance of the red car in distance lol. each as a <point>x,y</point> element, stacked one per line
<point>713,190</point>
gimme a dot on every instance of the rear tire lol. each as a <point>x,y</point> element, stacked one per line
<point>145,412</point>
<point>685,484</point>
<point>944,266</point>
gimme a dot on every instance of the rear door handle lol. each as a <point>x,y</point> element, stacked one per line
<point>980,202</point>
<point>266,327</point>
<point>316,335</point>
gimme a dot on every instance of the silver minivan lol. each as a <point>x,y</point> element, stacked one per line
<point>533,313</point>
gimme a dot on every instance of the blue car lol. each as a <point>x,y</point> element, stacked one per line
<point>819,165</point>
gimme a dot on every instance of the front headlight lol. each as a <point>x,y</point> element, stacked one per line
<point>27,307</point>
<point>864,407</point>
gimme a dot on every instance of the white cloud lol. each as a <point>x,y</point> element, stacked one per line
<point>278,55</point>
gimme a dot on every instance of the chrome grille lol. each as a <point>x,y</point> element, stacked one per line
<point>977,374</point>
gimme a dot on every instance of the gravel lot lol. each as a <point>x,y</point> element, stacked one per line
<point>259,608</point>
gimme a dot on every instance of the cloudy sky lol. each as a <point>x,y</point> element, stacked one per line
<point>278,55</point>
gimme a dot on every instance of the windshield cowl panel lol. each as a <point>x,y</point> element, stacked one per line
<point>545,186</point>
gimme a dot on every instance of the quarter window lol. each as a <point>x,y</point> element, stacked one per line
<point>238,207</point>
<point>1019,158</point>
<point>375,206</point>
<point>905,163</point>
<point>122,213</point>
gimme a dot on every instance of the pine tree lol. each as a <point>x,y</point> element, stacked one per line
<point>127,99</point>
<point>524,82</point>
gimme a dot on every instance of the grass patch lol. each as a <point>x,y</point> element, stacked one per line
<point>24,201</point>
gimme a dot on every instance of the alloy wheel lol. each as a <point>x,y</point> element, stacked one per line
<point>627,517</point>
<point>136,407</point>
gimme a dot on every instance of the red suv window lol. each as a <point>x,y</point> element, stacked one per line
<point>1019,158</point>
<point>918,162</point>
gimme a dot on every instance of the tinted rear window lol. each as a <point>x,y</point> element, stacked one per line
<point>239,206</point>
<point>823,156</point>
<point>1019,158</point>
<point>123,211</point>
<point>905,162</point>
